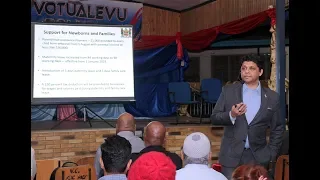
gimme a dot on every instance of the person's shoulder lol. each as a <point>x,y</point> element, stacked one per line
<point>180,173</point>
<point>176,159</point>
<point>138,141</point>
<point>104,178</point>
<point>217,175</point>
<point>135,156</point>
<point>273,95</point>
<point>135,139</point>
<point>232,86</point>
<point>173,155</point>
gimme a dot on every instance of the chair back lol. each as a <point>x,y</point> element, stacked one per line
<point>45,167</point>
<point>213,88</point>
<point>86,160</point>
<point>84,172</point>
<point>282,168</point>
<point>179,92</point>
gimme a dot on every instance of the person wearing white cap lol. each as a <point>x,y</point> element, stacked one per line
<point>196,152</point>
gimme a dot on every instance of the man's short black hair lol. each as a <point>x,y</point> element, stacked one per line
<point>115,154</point>
<point>254,58</point>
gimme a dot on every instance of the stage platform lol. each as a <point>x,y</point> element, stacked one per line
<point>72,141</point>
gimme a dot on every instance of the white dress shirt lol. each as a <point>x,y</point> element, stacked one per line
<point>198,171</point>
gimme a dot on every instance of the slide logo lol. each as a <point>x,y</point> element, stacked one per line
<point>126,32</point>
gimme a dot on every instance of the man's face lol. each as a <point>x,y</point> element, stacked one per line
<point>250,72</point>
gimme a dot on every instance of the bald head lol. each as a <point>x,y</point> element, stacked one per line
<point>126,122</point>
<point>155,134</point>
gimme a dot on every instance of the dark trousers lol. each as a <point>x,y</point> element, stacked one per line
<point>246,158</point>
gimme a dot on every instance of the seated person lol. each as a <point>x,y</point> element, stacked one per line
<point>33,164</point>
<point>196,153</point>
<point>115,158</point>
<point>125,127</point>
<point>152,166</point>
<point>154,139</point>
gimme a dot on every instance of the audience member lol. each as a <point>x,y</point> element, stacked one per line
<point>115,158</point>
<point>125,127</point>
<point>196,153</point>
<point>154,139</point>
<point>33,164</point>
<point>250,172</point>
<point>152,166</point>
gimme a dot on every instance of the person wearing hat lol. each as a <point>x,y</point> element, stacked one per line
<point>196,153</point>
<point>152,165</point>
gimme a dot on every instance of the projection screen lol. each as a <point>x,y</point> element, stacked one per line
<point>81,63</point>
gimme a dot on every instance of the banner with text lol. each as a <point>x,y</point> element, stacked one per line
<point>89,12</point>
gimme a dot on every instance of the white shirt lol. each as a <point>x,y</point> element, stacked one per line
<point>33,164</point>
<point>198,171</point>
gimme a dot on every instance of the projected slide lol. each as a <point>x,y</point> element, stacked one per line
<point>81,63</point>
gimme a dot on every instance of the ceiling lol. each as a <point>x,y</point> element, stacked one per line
<point>174,5</point>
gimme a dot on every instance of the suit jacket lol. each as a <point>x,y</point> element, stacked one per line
<point>284,149</point>
<point>234,137</point>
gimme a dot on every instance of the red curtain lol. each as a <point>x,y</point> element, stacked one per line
<point>149,42</point>
<point>203,38</point>
<point>64,111</point>
<point>194,41</point>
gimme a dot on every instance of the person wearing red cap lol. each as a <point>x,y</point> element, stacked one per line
<point>196,153</point>
<point>152,166</point>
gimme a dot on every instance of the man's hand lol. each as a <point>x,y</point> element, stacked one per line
<point>238,110</point>
<point>262,178</point>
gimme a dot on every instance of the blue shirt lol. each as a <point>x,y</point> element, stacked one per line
<point>251,98</point>
<point>114,177</point>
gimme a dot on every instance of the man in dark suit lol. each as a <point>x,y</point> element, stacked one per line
<point>247,110</point>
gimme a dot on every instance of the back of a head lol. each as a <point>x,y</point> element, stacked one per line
<point>152,166</point>
<point>250,172</point>
<point>115,154</point>
<point>196,145</point>
<point>155,134</point>
<point>126,122</point>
